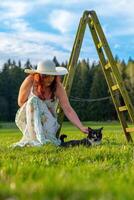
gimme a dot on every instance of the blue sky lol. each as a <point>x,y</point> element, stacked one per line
<point>41,29</point>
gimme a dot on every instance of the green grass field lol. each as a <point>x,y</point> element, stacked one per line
<point>105,172</point>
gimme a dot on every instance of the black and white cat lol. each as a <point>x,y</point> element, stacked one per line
<point>94,137</point>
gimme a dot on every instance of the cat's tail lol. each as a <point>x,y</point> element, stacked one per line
<point>62,137</point>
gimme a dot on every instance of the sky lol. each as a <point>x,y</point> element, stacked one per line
<point>41,29</point>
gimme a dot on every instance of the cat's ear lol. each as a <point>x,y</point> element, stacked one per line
<point>101,128</point>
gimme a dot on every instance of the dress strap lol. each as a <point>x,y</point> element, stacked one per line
<point>31,92</point>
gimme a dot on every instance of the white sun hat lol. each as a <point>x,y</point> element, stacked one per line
<point>47,67</point>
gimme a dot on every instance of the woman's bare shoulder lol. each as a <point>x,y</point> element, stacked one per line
<point>29,78</point>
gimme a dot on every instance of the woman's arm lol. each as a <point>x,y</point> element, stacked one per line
<point>68,110</point>
<point>25,90</point>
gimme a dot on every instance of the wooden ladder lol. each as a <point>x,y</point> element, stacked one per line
<point>112,75</point>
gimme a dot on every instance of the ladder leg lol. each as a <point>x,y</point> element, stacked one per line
<point>113,78</point>
<point>68,80</point>
<point>113,64</point>
<point>109,80</point>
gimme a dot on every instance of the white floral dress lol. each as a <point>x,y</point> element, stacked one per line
<point>37,120</point>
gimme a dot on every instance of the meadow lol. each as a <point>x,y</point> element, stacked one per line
<point>104,172</point>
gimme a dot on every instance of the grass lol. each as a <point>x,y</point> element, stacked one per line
<point>79,173</point>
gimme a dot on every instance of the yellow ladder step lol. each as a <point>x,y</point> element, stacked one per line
<point>122,108</point>
<point>115,87</point>
<point>107,65</point>
<point>92,23</point>
<point>99,45</point>
<point>129,130</point>
<point>58,110</point>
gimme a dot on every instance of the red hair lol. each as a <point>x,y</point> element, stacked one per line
<point>39,83</point>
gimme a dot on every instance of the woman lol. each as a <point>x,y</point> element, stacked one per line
<point>38,95</point>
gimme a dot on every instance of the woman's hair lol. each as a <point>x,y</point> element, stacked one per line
<point>38,84</point>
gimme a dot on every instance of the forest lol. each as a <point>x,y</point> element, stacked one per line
<point>89,97</point>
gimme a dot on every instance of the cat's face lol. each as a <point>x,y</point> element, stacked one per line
<point>95,135</point>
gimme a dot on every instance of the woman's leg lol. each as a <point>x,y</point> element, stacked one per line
<point>25,119</point>
<point>41,124</point>
<point>30,118</point>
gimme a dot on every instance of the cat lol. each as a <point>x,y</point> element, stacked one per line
<point>94,137</point>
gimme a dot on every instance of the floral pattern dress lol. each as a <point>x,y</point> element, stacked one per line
<point>37,120</point>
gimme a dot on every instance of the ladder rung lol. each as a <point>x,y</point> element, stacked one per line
<point>129,130</point>
<point>69,67</point>
<point>58,110</point>
<point>115,87</point>
<point>122,108</point>
<point>107,65</point>
<point>99,45</point>
<point>92,23</point>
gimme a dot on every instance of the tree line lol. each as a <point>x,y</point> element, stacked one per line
<point>89,95</point>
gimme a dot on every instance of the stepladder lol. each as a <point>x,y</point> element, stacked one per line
<point>119,94</point>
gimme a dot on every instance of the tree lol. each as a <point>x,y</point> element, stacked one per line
<point>100,110</point>
<point>56,61</point>
<point>80,88</point>
<point>10,81</point>
<point>129,79</point>
<point>4,113</point>
<point>28,64</point>
<point>19,64</point>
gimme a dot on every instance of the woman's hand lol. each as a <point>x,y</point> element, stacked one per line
<point>84,129</point>
<point>58,79</point>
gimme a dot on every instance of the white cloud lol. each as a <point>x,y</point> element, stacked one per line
<point>14,9</point>
<point>32,45</point>
<point>18,25</point>
<point>37,45</point>
<point>62,20</point>
<point>24,41</point>
<point>116,8</point>
<point>12,13</point>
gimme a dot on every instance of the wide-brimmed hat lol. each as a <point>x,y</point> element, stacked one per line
<point>47,67</point>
